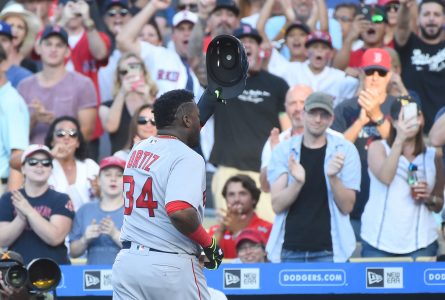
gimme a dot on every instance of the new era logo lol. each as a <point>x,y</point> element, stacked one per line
<point>232,278</point>
<point>91,280</point>
<point>374,278</point>
<point>388,278</point>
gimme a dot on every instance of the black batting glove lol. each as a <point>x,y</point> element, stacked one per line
<point>214,254</point>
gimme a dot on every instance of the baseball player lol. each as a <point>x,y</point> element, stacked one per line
<point>164,189</point>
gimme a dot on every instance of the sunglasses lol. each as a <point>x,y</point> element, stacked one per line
<point>145,120</point>
<point>394,6</point>
<point>131,67</point>
<point>370,72</point>
<point>114,12</point>
<point>344,19</point>
<point>191,7</point>
<point>44,162</point>
<point>60,133</point>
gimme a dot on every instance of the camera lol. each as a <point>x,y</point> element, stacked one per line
<point>373,13</point>
<point>39,276</point>
<point>13,273</point>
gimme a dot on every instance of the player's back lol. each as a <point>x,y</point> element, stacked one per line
<point>159,170</point>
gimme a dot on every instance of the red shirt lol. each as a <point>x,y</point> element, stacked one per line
<point>355,59</point>
<point>227,243</point>
<point>84,63</point>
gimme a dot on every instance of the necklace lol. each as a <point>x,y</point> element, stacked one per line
<point>167,136</point>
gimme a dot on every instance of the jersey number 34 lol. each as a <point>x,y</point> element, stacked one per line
<point>145,199</point>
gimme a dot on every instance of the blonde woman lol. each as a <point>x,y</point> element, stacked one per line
<point>25,26</point>
<point>133,88</point>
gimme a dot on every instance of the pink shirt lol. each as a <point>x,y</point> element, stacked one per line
<point>72,93</point>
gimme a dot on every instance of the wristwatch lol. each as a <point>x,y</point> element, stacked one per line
<point>89,24</point>
<point>380,121</point>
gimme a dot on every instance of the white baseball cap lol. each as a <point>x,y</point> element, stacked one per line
<point>184,16</point>
<point>35,148</point>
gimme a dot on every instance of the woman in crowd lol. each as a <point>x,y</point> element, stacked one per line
<point>25,26</point>
<point>96,227</point>
<point>150,33</point>
<point>133,87</point>
<point>406,187</point>
<point>35,220</point>
<point>142,126</point>
<point>72,170</point>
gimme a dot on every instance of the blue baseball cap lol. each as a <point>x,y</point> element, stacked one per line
<point>109,3</point>
<point>5,29</point>
<point>226,4</point>
<point>55,30</point>
<point>245,30</point>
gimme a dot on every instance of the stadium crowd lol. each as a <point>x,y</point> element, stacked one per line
<point>332,150</point>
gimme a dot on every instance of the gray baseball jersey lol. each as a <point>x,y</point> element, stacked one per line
<point>159,170</point>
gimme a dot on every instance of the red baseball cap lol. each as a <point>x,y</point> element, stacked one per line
<point>249,234</point>
<point>112,161</point>
<point>384,2</point>
<point>318,36</point>
<point>376,58</point>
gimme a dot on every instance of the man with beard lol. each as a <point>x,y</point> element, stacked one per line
<point>213,20</point>
<point>422,55</point>
<point>314,178</point>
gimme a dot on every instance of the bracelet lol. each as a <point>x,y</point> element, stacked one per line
<point>380,121</point>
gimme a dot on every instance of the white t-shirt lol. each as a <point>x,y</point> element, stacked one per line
<point>80,192</point>
<point>331,81</point>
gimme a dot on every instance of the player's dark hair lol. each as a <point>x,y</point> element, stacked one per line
<point>440,2</point>
<point>348,5</point>
<point>81,152</point>
<point>247,183</point>
<point>167,105</point>
<point>3,55</point>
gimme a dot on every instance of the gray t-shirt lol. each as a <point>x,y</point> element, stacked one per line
<point>72,93</point>
<point>103,250</point>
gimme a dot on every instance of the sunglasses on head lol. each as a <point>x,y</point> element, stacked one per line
<point>46,162</point>
<point>145,120</point>
<point>114,12</point>
<point>393,5</point>
<point>191,7</point>
<point>132,66</point>
<point>343,19</point>
<point>62,133</point>
<point>370,72</point>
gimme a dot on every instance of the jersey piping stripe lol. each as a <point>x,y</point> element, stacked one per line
<point>196,281</point>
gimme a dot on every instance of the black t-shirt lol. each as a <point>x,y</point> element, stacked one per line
<point>29,244</point>
<point>308,222</point>
<point>119,138</point>
<point>346,113</point>
<point>243,125</point>
<point>423,70</point>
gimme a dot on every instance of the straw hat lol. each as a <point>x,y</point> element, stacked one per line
<point>33,24</point>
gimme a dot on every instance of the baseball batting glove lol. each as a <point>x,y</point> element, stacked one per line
<point>214,254</point>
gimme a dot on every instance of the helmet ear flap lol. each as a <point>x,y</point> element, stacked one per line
<point>227,66</point>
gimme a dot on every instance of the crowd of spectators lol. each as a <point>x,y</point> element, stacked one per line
<point>335,141</point>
